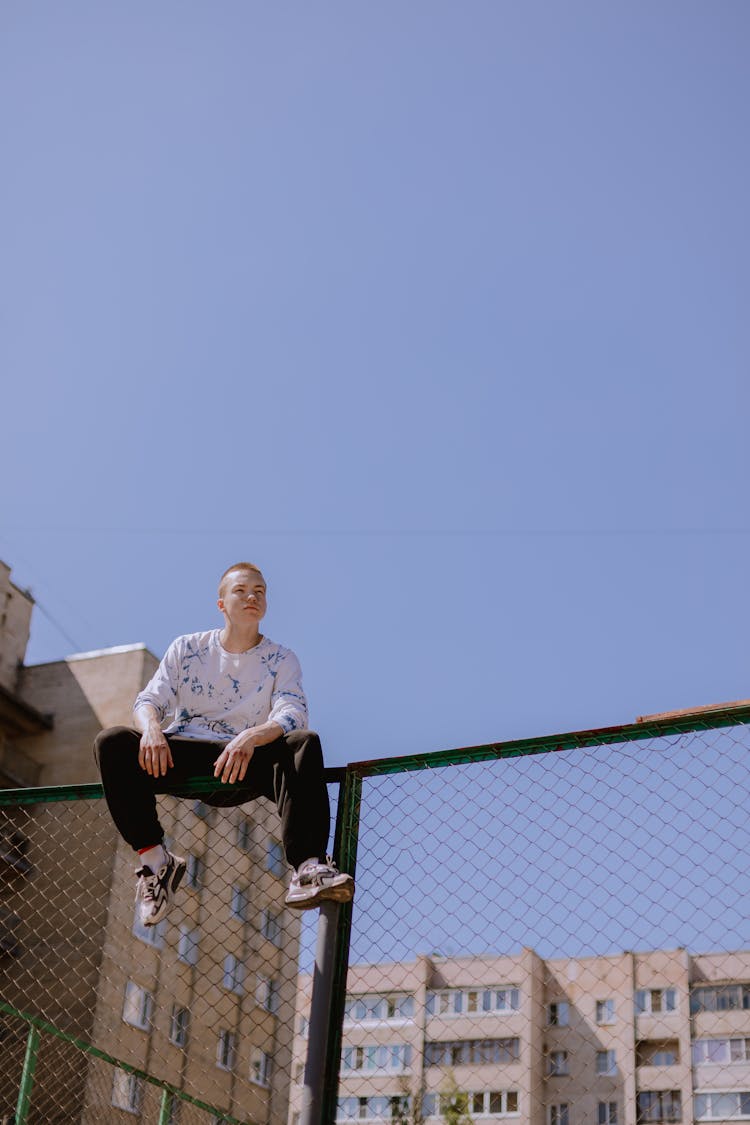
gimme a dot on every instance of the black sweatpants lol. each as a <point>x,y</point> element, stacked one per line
<point>288,771</point>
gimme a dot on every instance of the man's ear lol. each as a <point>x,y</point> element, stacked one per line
<point>220,604</point>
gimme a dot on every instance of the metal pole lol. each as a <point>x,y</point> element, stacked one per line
<point>165,1109</point>
<point>329,976</point>
<point>347,840</point>
<point>320,1011</point>
<point>27,1076</point>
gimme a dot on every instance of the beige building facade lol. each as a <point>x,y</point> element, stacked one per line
<point>634,1038</point>
<point>206,999</point>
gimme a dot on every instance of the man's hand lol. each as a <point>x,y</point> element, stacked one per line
<point>231,764</point>
<point>154,755</point>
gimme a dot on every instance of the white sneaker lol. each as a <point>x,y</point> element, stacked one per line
<point>318,882</point>
<point>154,888</point>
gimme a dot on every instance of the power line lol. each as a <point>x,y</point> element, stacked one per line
<point>75,646</point>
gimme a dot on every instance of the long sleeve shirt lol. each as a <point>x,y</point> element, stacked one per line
<point>209,693</point>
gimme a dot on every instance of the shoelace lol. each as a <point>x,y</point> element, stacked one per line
<point>315,874</point>
<point>146,886</point>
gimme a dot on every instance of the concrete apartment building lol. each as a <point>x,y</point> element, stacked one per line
<point>204,1000</point>
<point>622,1040</point>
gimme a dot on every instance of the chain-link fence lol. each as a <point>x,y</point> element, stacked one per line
<point>199,1010</point>
<point>554,931</point>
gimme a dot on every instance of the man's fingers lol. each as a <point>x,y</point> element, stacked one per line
<point>155,760</point>
<point>232,765</point>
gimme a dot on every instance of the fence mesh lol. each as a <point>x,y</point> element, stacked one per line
<point>555,938</point>
<point>205,1001</point>
<point>561,939</point>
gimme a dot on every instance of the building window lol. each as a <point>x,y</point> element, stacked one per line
<point>393,1107</point>
<point>377,1008</point>
<point>126,1091</point>
<point>234,974</point>
<point>260,1067</point>
<point>225,1049</point>
<point>655,1001</point>
<point>275,859</point>
<point>558,1013</point>
<point>482,1103</point>
<point>605,1011</point>
<point>244,834</point>
<point>724,998</point>
<point>472,1001</point>
<point>658,1106</point>
<point>195,871</point>
<point>138,1006</point>
<point>382,1057</point>
<point>178,1026</point>
<point>722,1106</point>
<point>151,935</point>
<point>471,1051</point>
<point>712,1051</point>
<point>559,1114</point>
<point>607,1113</point>
<point>557,1064</point>
<point>267,993</point>
<point>493,1103</point>
<point>240,903</point>
<point>270,927</point>
<point>187,945</point>
<point>657,1052</point>
<point>605,1062</point>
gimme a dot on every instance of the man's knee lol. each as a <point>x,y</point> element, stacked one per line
<point>305,745</point>
<point>114,740</point>
<point>299,737</point>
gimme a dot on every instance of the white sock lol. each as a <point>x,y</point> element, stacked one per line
<point>312,862</point>
<point>154,858</point>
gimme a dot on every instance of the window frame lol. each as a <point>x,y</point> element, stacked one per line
<point>605,1063</point>
<point>188,945</point>
<point>233,975</point>
<point>642,1010</point>
<point>558,1013</point>
<point>605,1006</point>
<point>272,927</point>
<point>261,1067</point>
<point>226,1048</point>
<point>179,1024</point>
<point>131,1097</point>
<point>559,1068</point>
<point>142,1013</point>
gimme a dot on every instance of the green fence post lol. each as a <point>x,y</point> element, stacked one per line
<point>27,1076</point>
<point>165,1109</point>
<point>347,840</point>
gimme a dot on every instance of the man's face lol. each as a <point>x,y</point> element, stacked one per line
<point>243,597</point>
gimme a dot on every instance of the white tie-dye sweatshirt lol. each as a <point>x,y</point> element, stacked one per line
<point>210,693</point>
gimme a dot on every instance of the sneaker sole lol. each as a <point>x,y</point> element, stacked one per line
<point>344,892</point>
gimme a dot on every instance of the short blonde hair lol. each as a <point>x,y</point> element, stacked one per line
<point>238,566</point>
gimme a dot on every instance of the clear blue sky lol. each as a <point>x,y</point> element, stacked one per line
<point>437,311</point>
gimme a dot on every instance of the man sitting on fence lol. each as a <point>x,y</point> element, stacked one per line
<point>237,710</point>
